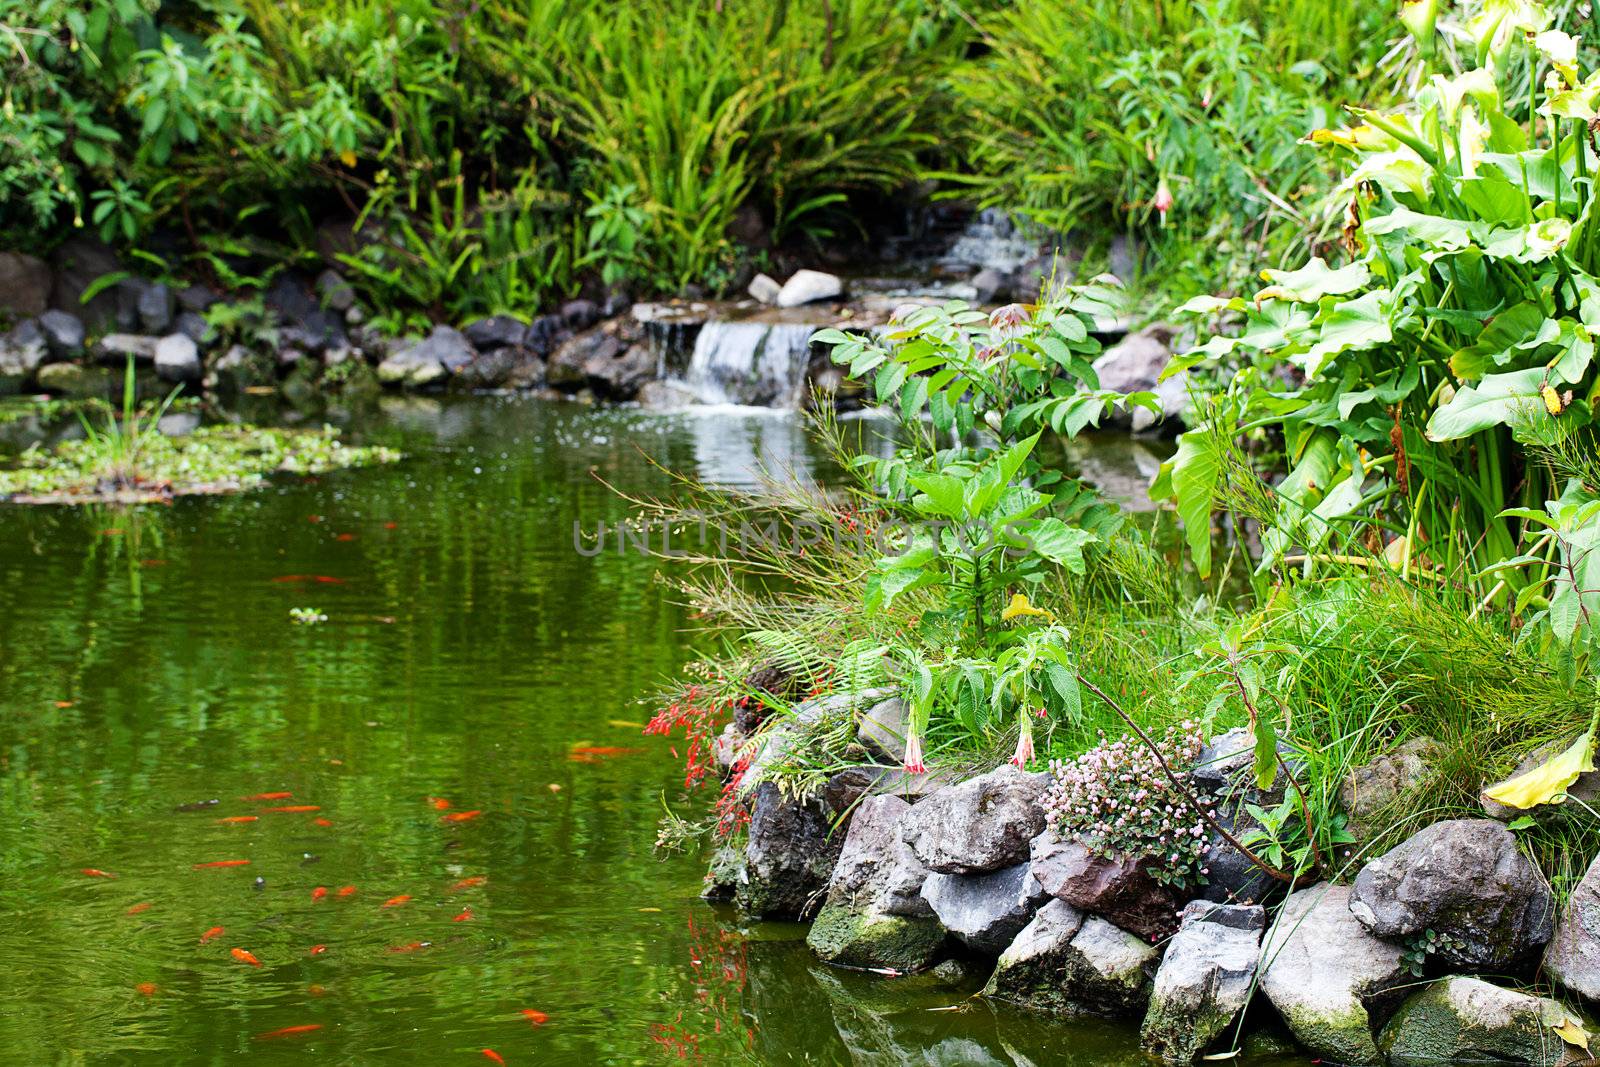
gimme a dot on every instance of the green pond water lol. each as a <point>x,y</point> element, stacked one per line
<point>148,664</point>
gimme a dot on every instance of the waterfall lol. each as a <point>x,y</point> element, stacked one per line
<point>991,240</point>
<point>750,363</point>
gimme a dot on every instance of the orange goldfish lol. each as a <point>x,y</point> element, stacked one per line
<point>317,950</point>
<point>347,891</point>
<point>461,816</point>
<point>146,988</point>
<point>268,796</point>
<point>289,1031</point>
<point>536,1017</point>
<point>212,934</point>
<point>465,916</point>
<point>395,902</point>
<point>294,809</point>
<point>244,957</point>
<point>439,803</point>
<point>222,863</point>
<point>137,908</point>
<point>494,1057</point>
<point>239,818</point>
<point>319,892</point>
<point>96,872</point>
<point>468,883</point>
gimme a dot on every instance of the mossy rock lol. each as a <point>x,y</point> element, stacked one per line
<point>851,938</point>
<point>1462,1019</point>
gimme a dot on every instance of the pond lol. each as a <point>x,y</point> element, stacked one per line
<point>162,718</point>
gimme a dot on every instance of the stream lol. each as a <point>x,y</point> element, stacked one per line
<point>161,718</point>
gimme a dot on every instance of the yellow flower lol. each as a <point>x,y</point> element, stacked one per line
<point>1019,607</point>
<point>1552,399</point>
<point>1547,783</point>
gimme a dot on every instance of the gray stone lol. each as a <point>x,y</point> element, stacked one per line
<point>1233,878</point>
<point>193,326</point>
<point>808,287</point>
<point>431,360</point>
<point>74,379</point>
<point>580,314</point>
<point>1573,955</point>
<point>875,940</point>
<point>667,396</point>
<point>320,330</point>
<point>601,361</point>
<point>876,871</point>
<point>883,729</point>
<point>155,307</point>
<point>1460,1020</point>
<point>115,348</point>
<point>25,283</point>
<point>789,855</point>
<point>1120,889</point>
<point>22,349</point>
<point>1204,981</point>
<point>497,331</point>
<point>1463,878</point>
<point>1370,791</point>
<point>511,367</point>
<point>982,824</point>
<point>335,292</point>
<point>1225,769</point>
<point>177,358</point>
<point>63,333</point>
<point>198,298</point>
<point>764,289</point>
<point>1586,789</point>
<point>991,286</point>
<point>1324,972</point>
<point>986,911</point>
<point>1069,963</point>
<point>238,369</point>
<point>78,262</point>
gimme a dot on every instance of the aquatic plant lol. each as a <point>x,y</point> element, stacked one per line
<point>113,452</point>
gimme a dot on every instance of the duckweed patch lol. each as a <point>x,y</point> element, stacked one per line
<point>210,460</point>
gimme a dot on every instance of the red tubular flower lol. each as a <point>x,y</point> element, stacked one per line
<point>913,761</point>
<point>1163,201</point>
<point>1024,753</point>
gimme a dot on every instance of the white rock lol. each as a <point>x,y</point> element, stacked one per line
<point>809,286</point>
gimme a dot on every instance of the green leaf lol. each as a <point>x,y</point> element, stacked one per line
<point>1196,469</point>
<point>1357,324</point>
<point>1060,543</point>
<point>1498,400</point>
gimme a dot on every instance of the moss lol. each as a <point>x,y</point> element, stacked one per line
<point>1341,1036</point>
<point>851,938</point>
<point>217,459</point>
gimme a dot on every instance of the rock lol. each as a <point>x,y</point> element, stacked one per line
<point>177,358</point>
<point>875,870</point>
<point>1586,789</point>
<point>318,331</point>
<point>290,298</point>
<point>22,349</point>
<point>63,333</point>
<point>1121,890</point>
<point>1233,878</point>
<point>808,287</point>
<point>986,911</point>
<point>512,367</point>
<point>789,856</point>
<point>1204,981</point>
<point>850,938</point>
<point>580,314</point>
<point>1134,365</point>
<point>430,360</point>
<point>1460,1020</point>
<point>883,729</point>
<point>335,292</point>
<point>1069,963</point>
<point>73,379</point>
<point>1225,769</point>
<point>239,369</point>
<point>78,262</point>
<point>603,362</point>
<point>764,288</point>
<point>846,788</point>
<point>1324,973</point>
<point>1573,955</point>
<point>724,874</point>
<point>661,395</point>
<point>1372,790</point>
<point>990,286</point>
<point>25,284</point>
<point>497,331</point>
<point>115,348</point>
<point>154,304</point>
<point>544,333</point>
<point>982,824</point>
<point>193,326</point>
<point>198,298</point>
<point>1465,879</point>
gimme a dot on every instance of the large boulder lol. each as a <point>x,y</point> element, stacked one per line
<point>604,362</point>
<point>496,331</point>
<point>1370,791</point>
<point>875,915</point>
<point>789,855</point>
<point>883,729</point>
<point>25,283</point>
<point>1325,974</point>
<point>429,361</point>
<point>22,350</point>
<point>982,824</point>
<point>1573,955</point>
<point>1119,889</point>
<point>986,911</point>
<point>1225,769</point>
<point>1463,879</point>
<point>1461,1020</point>
<point>63,333</point>
<point>1232,877</point>
<point>809,286</point>
<point>1204,981</point>
<point>177,359</point>
<point>1070,963</point>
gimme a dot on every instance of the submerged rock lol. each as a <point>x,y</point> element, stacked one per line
<point>1465,879</point>
<point>1465,1019</point>
<point>986,911</point>
<point>1573,955</point>
<point>982,824</point>
<point>809,286</point>
<point>1070,963</point>
<point>789,856</point>
<point>1204,981</point>
<point>1121,890</point>
<point>1322,970</point>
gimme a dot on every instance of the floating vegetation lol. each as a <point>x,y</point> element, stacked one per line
<point>210,460</point>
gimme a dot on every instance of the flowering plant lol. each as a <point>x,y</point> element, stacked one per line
<point>1120,802</point>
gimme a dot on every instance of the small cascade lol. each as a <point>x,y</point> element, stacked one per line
<point>751,363</point>
<point>990,240</point>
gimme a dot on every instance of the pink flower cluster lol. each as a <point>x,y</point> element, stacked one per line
<point>1117,800</point>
